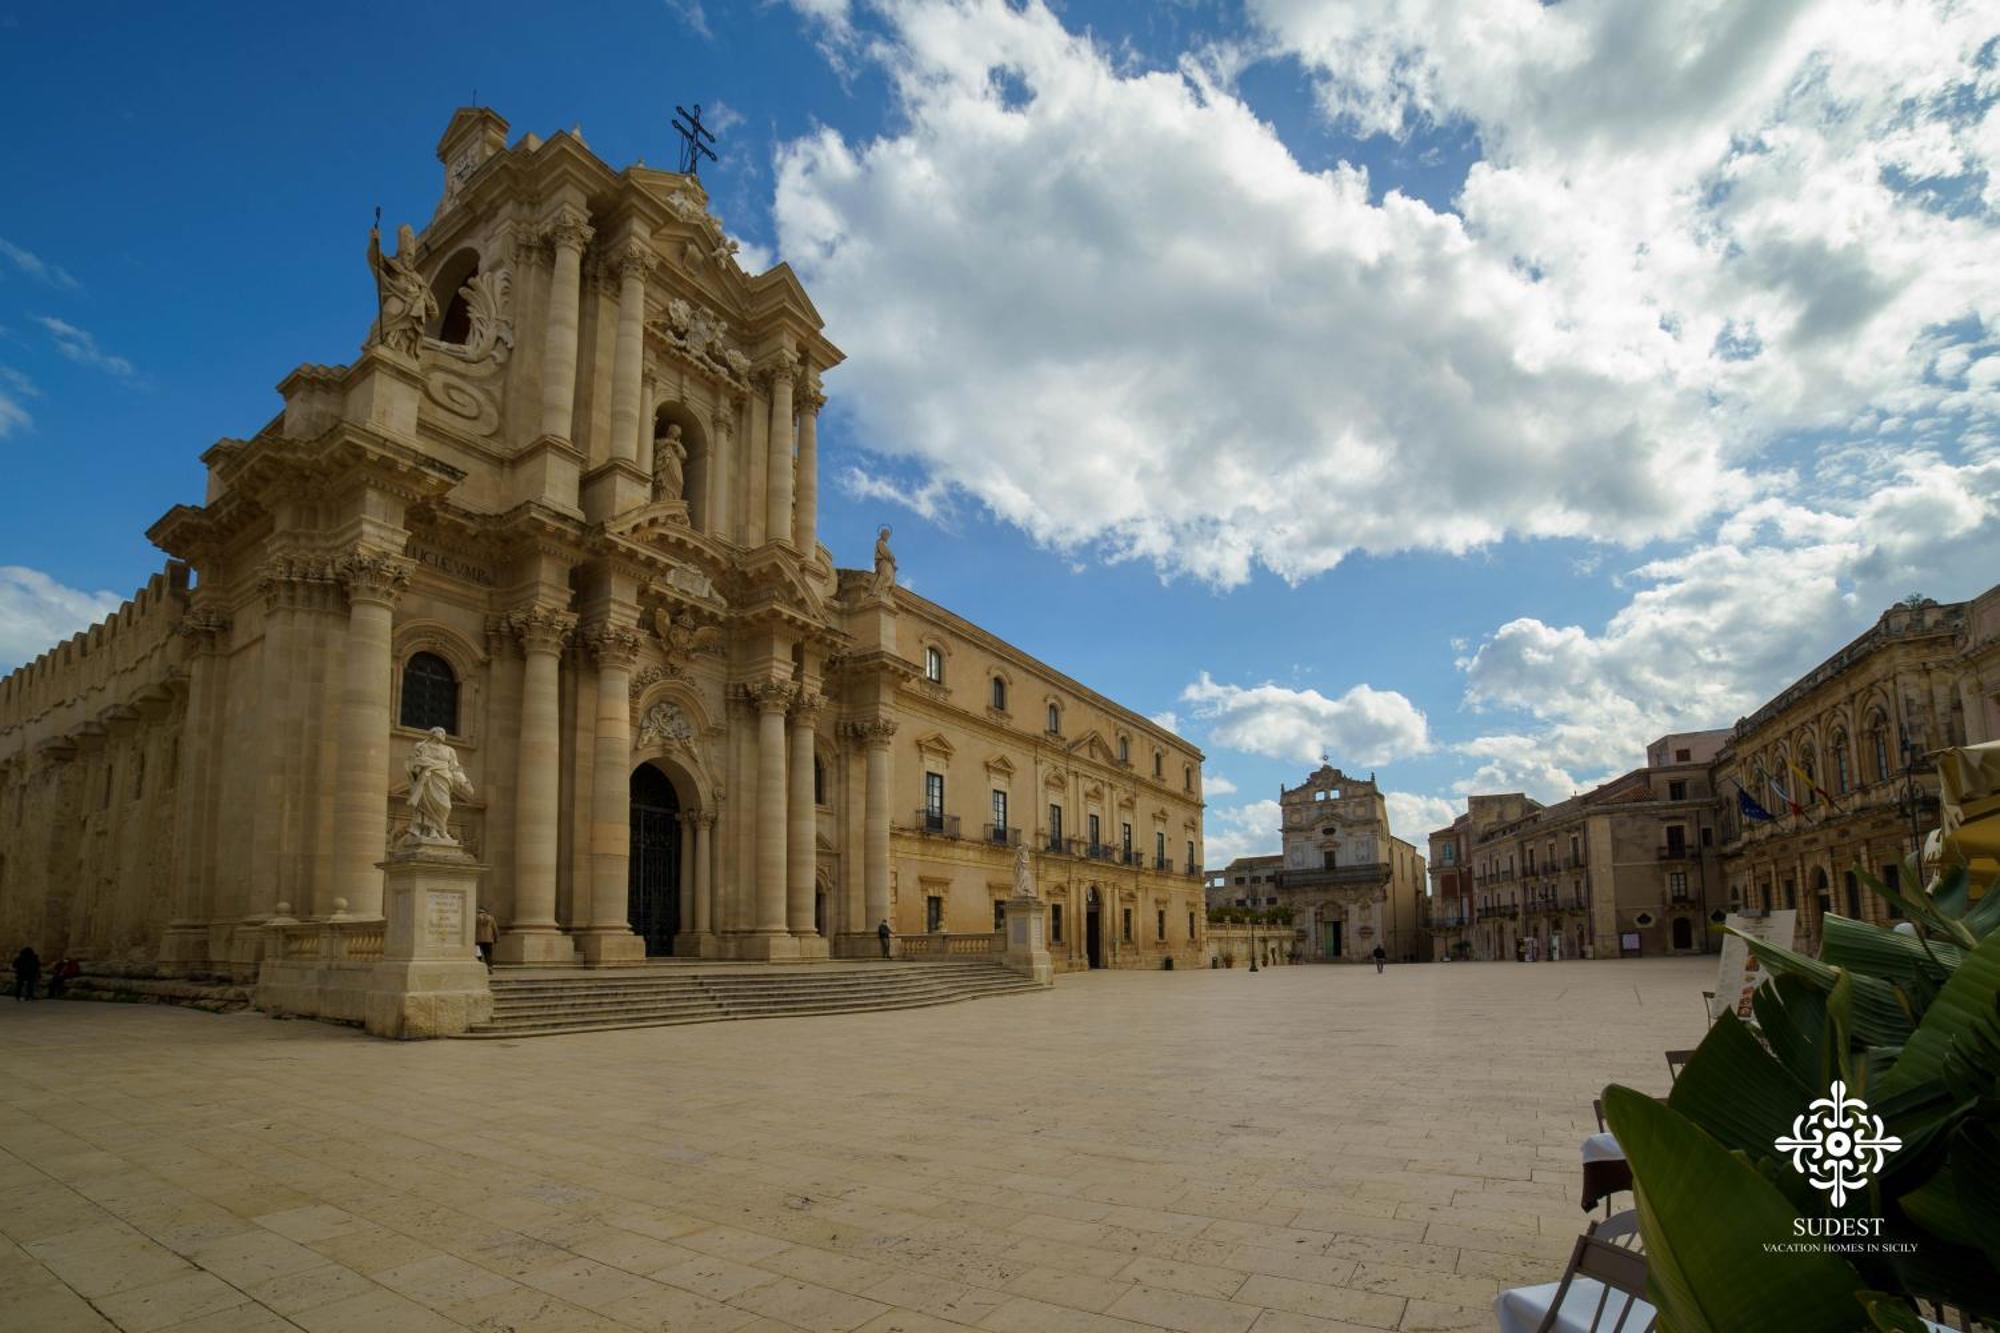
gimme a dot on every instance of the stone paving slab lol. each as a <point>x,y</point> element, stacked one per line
<point>1308,1148</point>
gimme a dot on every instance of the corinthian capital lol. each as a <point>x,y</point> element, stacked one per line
<point>567,228</point>
<point>770,696</point>
<point>633,259</point>
<point>373,576</point>
<point>806,705</point>
<point>872,731</point>
<point>807,396</point>
<point>612,645</point>
<point>541,629</point>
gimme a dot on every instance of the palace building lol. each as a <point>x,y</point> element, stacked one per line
<point>564,506</point>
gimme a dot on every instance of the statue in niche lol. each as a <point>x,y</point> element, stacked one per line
<point>885,562</point>
<point>403,299</point>
<point>435,778</point>
<point>1024,873</point>
<point>670,458</point>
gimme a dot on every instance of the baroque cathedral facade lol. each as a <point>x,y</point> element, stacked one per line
<point>564,506</point>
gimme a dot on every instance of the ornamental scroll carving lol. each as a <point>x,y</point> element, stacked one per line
<point>463,380</point>
<point>701,337</point>
<point>665,724</point>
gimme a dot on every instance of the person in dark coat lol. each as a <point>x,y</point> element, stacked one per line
<point>27,971</point>
<point>1380,958</point>
<point>66,971</point>
<point>883,934</point>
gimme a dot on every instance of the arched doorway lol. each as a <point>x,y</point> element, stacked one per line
<point>1683,933</point>
<point>1093,928</point>
<point>653,883</point>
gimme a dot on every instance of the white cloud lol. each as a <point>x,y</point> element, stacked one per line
<point>36,613</point>
<point>14,386</point>
<point>1166,718</point>
<point>1413,818</point>
<point>26,261</point>
<point>79,346</point>
<point>1214,784</point>
<point>691,13</point>
<point>1239,830</point>
<point>1363,726</point>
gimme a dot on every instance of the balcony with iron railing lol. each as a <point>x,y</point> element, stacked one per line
<point>1670,852</point>
<point>1002,836</point>
<point>1055,842</point>
<point>1367,872</point>
<point>1163,863</point>
<point>936,824</point>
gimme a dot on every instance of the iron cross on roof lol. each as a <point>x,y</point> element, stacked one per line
<point>688,125</point>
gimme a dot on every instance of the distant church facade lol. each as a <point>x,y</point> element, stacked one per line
<point>564,506</point>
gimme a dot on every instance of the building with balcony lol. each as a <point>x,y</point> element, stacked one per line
<point>1840,760</point>
<point>1248,881</point>
<point>1451,915</point>
<point>1628,868</point>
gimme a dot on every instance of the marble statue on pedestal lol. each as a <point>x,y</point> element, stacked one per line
<point>1024,873</point>
<point>669,464</point>
<point>885,562</point>
<point>435,778</point>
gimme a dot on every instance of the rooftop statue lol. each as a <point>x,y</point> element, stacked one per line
<point>404,300</point>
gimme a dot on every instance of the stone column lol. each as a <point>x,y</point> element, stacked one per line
<point>567,233</point>
<point>533,935</point>
<point>704,909</point>
<point>722,465</point>
<point>186,940</point>
<point>628,353</point>
<point>607,935</point>
<point>805,516</point>
<point>685,886</point>
<point>875,735</point>
<point>771,698</point>
<point>649,404</point>
<point>800,843</point>
<point>361,787</point>
<point>778,468</point>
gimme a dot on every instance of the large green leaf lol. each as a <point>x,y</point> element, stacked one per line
<point>1733,1088</point>
<point>1967,1002</point>
<point>1706,1216</point>
<point>1874,952</point>
<point>1791,1017</point>
<point>1880,1016</point>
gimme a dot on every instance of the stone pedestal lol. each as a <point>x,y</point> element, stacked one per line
<point>609,948</point>
<point>382,392</point>
<point>766,947</point>
<point>1028,940</point>
<point>548,946</point>
<point>613,488</point>
<point>430,982</point>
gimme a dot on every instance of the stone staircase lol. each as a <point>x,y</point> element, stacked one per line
<point>542,1005</point>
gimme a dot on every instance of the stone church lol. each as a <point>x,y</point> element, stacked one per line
<point>564,506</point>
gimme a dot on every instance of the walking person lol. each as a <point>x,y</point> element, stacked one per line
<point>884,934</point>
<point>27,971</point>
<point>65,971</point>
<point>485,932</point>
<point>1380,959</point>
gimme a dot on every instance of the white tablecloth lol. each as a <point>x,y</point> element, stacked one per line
<point>1602,1148</point>
<point>1521,1310</point>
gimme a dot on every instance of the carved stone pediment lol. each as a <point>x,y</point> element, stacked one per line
<point>934,744</point>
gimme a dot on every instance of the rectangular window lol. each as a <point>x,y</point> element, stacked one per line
<point>1055,923</point>
<point>1128,925</point>
<point>1187,777</point>
<point>934,802</point>
<point>1676,839</point>
<point>1127,844</point>
<point>1163,925</point>
<point>1159,849</point>
<point>933,914</point>
<point>1677,883</point>
<point>1055,827</point>
<point>1707,836</point>
<point>1449,854</point>
<point>1677,791</point>
<point>1190,925</point>
<point>1190,852</point>
<point>999,914</point>
<point>999,815</point>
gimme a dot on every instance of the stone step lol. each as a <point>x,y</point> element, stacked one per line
<point>547,1006</point>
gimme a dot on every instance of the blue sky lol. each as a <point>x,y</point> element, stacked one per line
<point>1350,380</point>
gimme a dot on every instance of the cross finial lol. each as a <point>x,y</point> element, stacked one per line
<point>688,125</point>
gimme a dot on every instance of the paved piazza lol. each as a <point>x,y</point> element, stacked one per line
<point>1304,1149</point>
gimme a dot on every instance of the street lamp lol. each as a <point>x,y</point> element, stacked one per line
<point>1253,939</point>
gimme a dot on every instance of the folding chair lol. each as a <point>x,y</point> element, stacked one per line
<point>1602,1291</point>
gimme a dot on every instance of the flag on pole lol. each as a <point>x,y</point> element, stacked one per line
<point>1806,784</point>
<point>1781,793</point>
<point>1747,803</point>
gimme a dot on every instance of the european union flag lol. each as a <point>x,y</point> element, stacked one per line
<point>1750,808</point>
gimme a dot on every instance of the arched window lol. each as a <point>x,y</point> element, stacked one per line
<point>999,694</point>
<point>1055,720</point>
<point>1809,765</point>
<point>430,693</point>
<point>1843,776</point>
<point>934,666</point>
<point>1124,749</point>
<point>1878,741</point>
<point>454,313</point>
<point>819,781</point>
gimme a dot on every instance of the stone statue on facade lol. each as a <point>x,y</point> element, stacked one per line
<point>669,464</point>
<point>435,778</point>
<point>1024,873</point>
<point>405,304</point>
<point>885,562</point>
